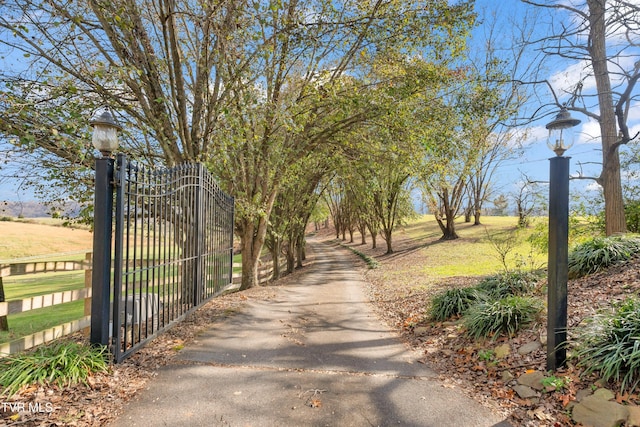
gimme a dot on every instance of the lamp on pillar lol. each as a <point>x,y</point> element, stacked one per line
<point>560,140</point>
<point>105,140</point>
<point>105,133</point>
<point>561,132</point>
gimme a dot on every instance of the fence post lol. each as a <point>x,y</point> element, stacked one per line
<point>231,227</point>
<point>101,274</point>
<point>87,285</point>
<point>4,323</point>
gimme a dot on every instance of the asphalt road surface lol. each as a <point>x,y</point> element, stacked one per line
<point>315,355</point>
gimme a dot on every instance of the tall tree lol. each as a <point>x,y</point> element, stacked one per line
<point>600,36</point>
<point>453,150</point>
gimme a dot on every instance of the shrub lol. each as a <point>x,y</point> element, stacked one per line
<point>63,363</point>
<point>496,317</point>
<point>610,345</point>
<point>632,215</point>
<point>512,283</point>
<point>600,253</point>
<point>452,302</point>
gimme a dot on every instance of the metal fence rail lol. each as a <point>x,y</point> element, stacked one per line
<point>173,249</point>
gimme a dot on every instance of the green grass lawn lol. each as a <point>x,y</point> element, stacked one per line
<point>21,287</point>
<point>475,253</point>
<point>420,258</point>
<point>30,322</point>
<point>27,286</point>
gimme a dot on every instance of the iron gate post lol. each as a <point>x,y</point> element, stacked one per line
<point>558,262</point>
<point>101,274</point>
<point>231,227</point>
<point>198,282</point>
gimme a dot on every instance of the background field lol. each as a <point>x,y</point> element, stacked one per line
<point>42,240</point>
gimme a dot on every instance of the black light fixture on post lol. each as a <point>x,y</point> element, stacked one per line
<point>105,140</point>
<point>560,139</point>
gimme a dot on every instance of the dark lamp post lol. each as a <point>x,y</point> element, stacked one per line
<point>560,139</point>
<point>105,133</point>
<point>105,140</point>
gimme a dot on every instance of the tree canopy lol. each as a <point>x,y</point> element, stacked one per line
<point>250,87</point>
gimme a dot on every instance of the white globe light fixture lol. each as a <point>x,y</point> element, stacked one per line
<point>105,133</point>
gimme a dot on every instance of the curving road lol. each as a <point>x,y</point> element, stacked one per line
<point>315,355</point>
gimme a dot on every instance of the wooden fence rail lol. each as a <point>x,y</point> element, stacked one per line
<point>8,308</point>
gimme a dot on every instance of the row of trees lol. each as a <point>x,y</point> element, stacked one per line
<point>259,90</point>
<point>288,102</point>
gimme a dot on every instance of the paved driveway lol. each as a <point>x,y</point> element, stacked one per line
<point>315,355</point>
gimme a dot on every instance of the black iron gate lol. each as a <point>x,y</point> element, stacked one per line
<point>173,249</point>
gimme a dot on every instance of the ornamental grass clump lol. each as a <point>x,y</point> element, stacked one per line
<point>511,283</point>
<point>62,363</point>
<point>453,302</point>
<point>601,252</point>
<point>493,318</point>
<point>610,345</point>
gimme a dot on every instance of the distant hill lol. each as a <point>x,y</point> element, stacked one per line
<point>31,209</point>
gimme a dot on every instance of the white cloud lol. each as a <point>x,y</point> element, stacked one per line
<point>634,113</point>
<point>532,135</point>
<point>593,186</point>
<point>565,81</point>
<point>589,133</point>
<point>634,130</point>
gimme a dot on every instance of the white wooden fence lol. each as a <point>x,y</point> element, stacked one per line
<point>9,308</point>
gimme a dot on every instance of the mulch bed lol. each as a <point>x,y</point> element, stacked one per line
<point>457,357</point>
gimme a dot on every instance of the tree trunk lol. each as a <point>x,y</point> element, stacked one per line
<point>615,221</point>
<point>476,215</point>
<point>449,231</point>
<point>300,255</point>
<point>362,228</point>
<point>374,234</point>
<point>610,178</point>
<point>275,255</point>
<point>4,324</point>
<point>291,256</point>
<point>448,226</point>
<point>250,245</point>
<point>387,237</point>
